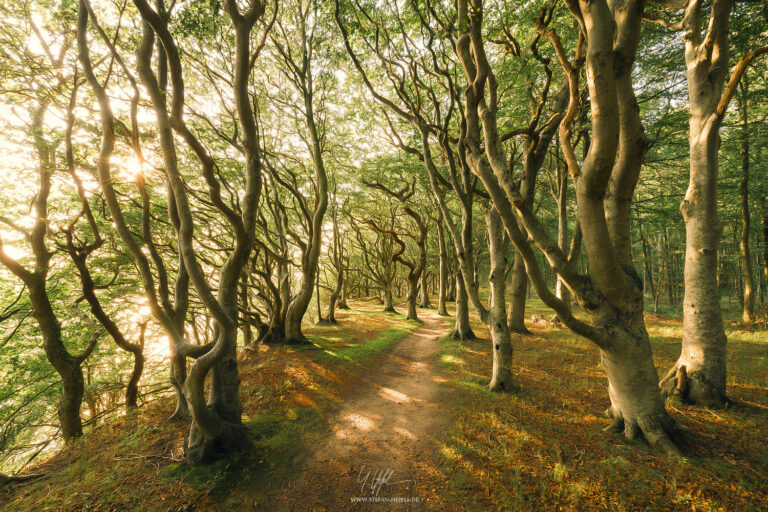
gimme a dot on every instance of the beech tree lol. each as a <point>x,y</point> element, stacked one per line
<point>417,264</point>
<point>184,180</point>
<point>611,293</point>
<point>39,237</point>
<point>700,373</point>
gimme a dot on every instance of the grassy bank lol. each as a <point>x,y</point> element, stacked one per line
<point>135,463</point>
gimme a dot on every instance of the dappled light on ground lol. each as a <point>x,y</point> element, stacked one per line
<point>387,432</point>
<point>544,449</point>
<point>287,394</point>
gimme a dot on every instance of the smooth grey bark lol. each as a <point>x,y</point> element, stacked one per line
<point>442,290</point>
<point>304,82</point>
<point>462,330</point>
<point>502,378</point>
<point>344,291</point>
<point>702,362</point>
<point>748,276</point>
<point>612,292</point>
<point>518,295</point>
<point>424,301</point>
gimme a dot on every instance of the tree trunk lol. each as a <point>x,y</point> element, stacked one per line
<point>519,292</point>
<point>442,290</point>
<point>216,428</point>
<point>66,365</point>
<point>331,319</point>
<point>245,322</point>
<point>462,331</point>
<point>703,354</point>
<point>70,403</point>
<point>764,223</point>
<point>413,285</point>
<point>344,290</point>
<point>501,343</point>
<point>636,405</point>
<point>748,306</point>
<point>561,290</point>
<point>424,290</point>
<point>317,299</point>
<point>132,388</point>
<point>178,377</point>
<point>389,302</point>
<point>704,341</point>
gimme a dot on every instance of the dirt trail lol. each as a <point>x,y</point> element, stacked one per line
<point>381,451</point>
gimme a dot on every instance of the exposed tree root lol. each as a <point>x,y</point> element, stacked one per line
<point>178,416</point>
<point>658,429</point>
<point>691,388</point>
<point>11,479</point>
<point>202,449</point>
<point>274,340</point>
<point>303,340</point>
<point>519,330</point>
<point>502,386</point>
<point>462,337</point>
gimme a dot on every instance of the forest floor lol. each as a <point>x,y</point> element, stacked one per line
<point>384,405</point>
<point>381,446</point>
<point>544,449</point>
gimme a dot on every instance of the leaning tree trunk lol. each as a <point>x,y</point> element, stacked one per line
<point>66,365</point>
<point>501,343</point>
<point>331,319</point>
<point>132,388</point>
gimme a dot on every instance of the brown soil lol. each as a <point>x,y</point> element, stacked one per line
<point>381,452</point>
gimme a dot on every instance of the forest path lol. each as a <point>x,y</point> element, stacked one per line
<point>381,452</point>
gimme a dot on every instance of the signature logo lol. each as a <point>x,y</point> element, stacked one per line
<point>374,479</point>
